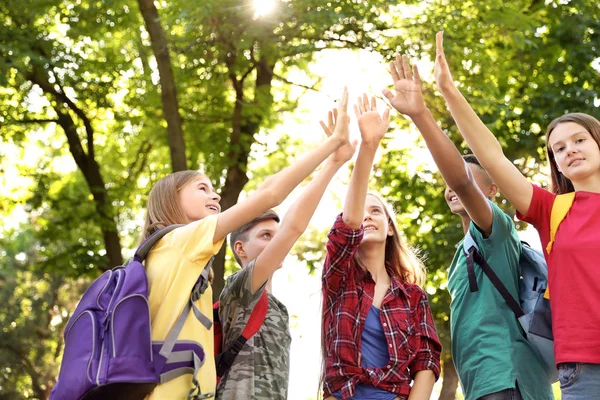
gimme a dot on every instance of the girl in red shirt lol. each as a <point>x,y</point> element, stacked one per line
<point>573,148</point>
<point>378,332</point>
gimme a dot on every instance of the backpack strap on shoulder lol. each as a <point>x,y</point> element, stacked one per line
<point>470,247</point>
<point>560,208</point>
<point>225,360</point>
<point>475,257</point>
<point>151,240</point>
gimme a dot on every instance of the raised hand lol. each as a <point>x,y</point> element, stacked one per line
<point>372,125</point>
<point>342,120</point>
<point>340,123</point>
<point>407,98</point>
<point>443,77</point>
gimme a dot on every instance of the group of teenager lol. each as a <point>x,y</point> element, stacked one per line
<point>379,339</point>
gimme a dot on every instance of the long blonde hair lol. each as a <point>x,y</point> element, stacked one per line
<point>400,259</point>
<point>164,207</point>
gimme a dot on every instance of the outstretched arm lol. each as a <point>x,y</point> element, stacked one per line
<point>372,129</point>
<point>299,214</point>
<point>408,99</point>
<point>480,139</point>
<point>276,188</point>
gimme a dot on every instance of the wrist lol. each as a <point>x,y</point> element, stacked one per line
<point>422,115</point>
<point>369,146</point>
<point>419,114</point>
<point>449,89</point>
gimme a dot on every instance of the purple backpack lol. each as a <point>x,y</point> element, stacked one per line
<point>109,352</point>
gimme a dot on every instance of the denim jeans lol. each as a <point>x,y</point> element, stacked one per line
<point>507,394</point>
<point>579,381</point>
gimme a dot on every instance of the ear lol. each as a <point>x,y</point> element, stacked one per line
<point>492,191</point>
<point>238,248</point>
<point>390,228</point>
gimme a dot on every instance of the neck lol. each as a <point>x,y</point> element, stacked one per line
<point>372,257</point>
<point>466,222</point>
<point>589,184</point>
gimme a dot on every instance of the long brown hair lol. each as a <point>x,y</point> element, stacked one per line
<point>400,259</point>
<point>164,207</point>
<point>560,183</point>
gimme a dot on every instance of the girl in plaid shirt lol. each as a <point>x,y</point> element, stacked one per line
<point>378,331</point>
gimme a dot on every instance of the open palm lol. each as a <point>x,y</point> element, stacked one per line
<point>442,74</point>
<point>373,126</point>
<point>407,96</point>
<point>338,122</point>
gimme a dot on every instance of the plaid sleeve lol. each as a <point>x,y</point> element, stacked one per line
<point>428,355</point>
<point>342,245</point>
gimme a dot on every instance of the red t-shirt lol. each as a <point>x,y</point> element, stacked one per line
<point>574,274</point>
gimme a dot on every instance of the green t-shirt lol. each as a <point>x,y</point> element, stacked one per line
<point>489,350</point>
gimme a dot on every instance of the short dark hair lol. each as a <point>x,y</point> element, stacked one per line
<point>241,234</point>
<point>471,159</point>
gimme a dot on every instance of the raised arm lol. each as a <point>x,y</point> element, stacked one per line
<point>480,139</point>
<point>276,188</point>
<point>372,129</point>
<point>299,214</point>
<point>408,99</point>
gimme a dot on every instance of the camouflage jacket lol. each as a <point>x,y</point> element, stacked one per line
<point>261,369</point>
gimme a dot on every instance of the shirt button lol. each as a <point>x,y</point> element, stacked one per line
<point>390,345</point>
<point>389,366</point>
<point>385,324</point>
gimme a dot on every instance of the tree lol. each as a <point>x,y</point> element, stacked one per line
<point>239,58</point>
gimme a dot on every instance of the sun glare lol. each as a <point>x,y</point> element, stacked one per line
<point>263,7</point>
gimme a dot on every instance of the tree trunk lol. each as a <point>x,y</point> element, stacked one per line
<point>87,165</point>
<point>242,136</point>
<point>168,89</point>
<point>450,379</point>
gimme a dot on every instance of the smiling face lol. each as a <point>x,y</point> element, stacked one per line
<point>482,179</point>
<point>376,223</point>
<point>198,199</point>
<point>576,153</point>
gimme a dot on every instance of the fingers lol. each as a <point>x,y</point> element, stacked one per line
<point>373,104</point>
<point>439,46</point>
<point>399,68</point>
<point>365,102</point>
<point>325,128</point>
<point>388,94</point>
<point>386,115</point>
<point>406,67</point>
<point>344,102</point>
<point>394,72</point>
<point>417,77</point>
<point>357,111</point>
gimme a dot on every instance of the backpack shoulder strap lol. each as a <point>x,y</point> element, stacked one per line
<point>475,257</point>
<point>147,245</point>
<point>225,360</point>
<point>560,208</point>
<point>468,245</point>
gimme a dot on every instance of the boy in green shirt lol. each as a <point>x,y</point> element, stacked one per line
<point>493,359</point>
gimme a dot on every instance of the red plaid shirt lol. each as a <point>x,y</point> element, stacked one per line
<point>413,343</point>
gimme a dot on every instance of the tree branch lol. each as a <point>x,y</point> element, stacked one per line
<point>281,78</point>
<point>31,121</point>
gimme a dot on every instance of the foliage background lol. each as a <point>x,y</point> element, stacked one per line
<point>100,99</point>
